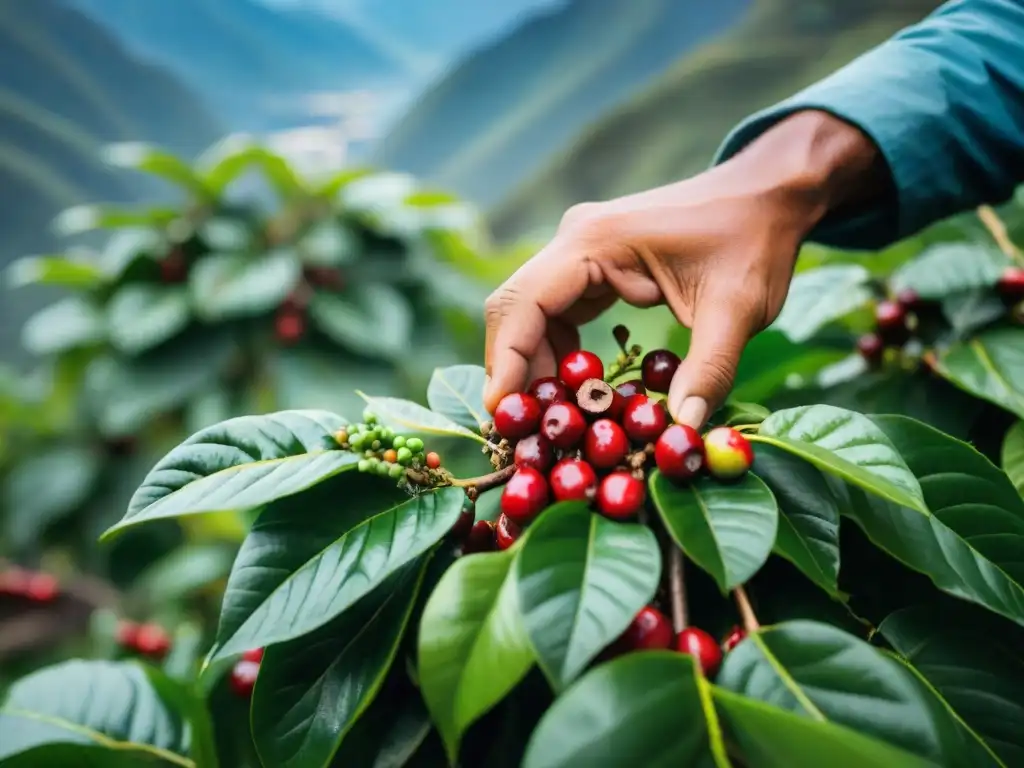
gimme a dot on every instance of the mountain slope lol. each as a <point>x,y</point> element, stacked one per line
<point>505,107</point>
<point>672,129</point>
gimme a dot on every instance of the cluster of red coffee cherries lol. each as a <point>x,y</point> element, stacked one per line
<point>651,630</point>
<point>244,672</point>
<point>33,586</point>
<point>147,639</point>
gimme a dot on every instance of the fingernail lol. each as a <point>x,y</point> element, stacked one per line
<point>693,412</point>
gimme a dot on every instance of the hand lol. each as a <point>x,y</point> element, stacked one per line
<point>718,249</point>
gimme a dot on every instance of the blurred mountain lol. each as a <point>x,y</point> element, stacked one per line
<point>508,105</point>
<point>67,87</point>
<point>252,63</point>
<point>672,129</point>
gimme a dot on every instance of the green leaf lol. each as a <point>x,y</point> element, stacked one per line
<point>973,667</point>
<point>970,545</point>
<point>774,738</point>
<point>91,705</point>
<point>69,323</point>
<point>232,157</point>
<point>53,270</point>
<point>126,246</point>
<point>311,691</point>
<point>84,218</point>
<point>819,296</point>
<point>294,530</point>
<point>184,571</point>
<point>581,579</point>
<point>727,529</point>
<point>239,464</point>
<point>329,243</point>
<point>968,311</point>
<point>948,268</point>
<point>362,556</point>
<point>140,317</point>
<point>410,416</point>
<point>237,285</point>
<point>825,674</point>
<point>473,647</point>
<point>1013,456</point>
<point>847,445</point>
<point>772,362</point>
<point>41,489</point>
<point>989,366</point>
<point>808,516</point>
<point>148,159</point>
<point>735,414</point>
<point>374,319</point>
<point>226,234</point>
<point>457,392</point>
<point>649,709</point>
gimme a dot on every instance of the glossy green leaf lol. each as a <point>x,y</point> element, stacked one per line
<point>149,159</point>
<point>412,417</point>
<point>1013,456</point>
<point>374,319</point>
<point>771,362</point>
<point>226,234</point>
<point>329,243</point>
<point>391,733</point>
<point>825,674</point>
<point>91,705</point>
<point>967,311</point>
<point>294,530</point>
<point>239,464</point>
<point>41,489</point>
<point>237,285</point>
<point>231,158</point>
<point>53,270</point>
<point>649,709</point>
<point>311,690</point>
<point>141,316</point>
<point>975,668</point>
<point>819,296</point>
<point>727,529</point>
<point>126,246</point>
<point>85,218</point>
<point>581,579</point>
<point>457,392</point>
<point>734,414</point>
<point>473,647</point>
<point>808,533</point>
<point>947,268</point>
<point>845,444</point>
<point>989,366</point>
<point>361,557</point>
<point>69,323</point>
<point>769,737</point>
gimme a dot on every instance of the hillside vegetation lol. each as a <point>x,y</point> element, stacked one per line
<point>505,108</point>
<point>673,128</point>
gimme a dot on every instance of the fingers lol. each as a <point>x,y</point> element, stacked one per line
<point>721,330</point>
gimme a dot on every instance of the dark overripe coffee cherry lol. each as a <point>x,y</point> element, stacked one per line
<point>524,496</point>
<point>644,419</point>
<point>534,451</point>
<point>605,444</point>
<point>563,425</point>
<point>650,630</point>
<point>1011,283</point>
<point>243,677</point>
<point>909,299</point>
<point>727,453</point>
<point>548,391</point>
<point>506,532</point>
<point>871,347</point>
<point>480,539</point>
<point>702,646</point>
<point>891,322</point>
<point>466,520</point>
<point>632,387</point>
<point>620,495</point>
<point>573,480</point>
<point>578,366</point>
<point>657,369</point>
<point>679,452</point>
<point>517,415</point>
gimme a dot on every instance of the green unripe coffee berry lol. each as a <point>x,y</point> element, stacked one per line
<point>375,445</point>
<point>387,433</point>
<point>398,442</point>
<point>414,444</point>
<point>364,465</point>
<point>404,456</point>
<point>396,471</point>
<point>369,417</point>
<point>383,468</point>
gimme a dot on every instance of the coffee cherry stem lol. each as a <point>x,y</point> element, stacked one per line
<point>750,622</point>
<point>677,589</point>
<point>997,229</point>
<point>747,427</point>
<point>486,482</point>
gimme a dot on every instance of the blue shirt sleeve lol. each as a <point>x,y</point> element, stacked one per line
<point>944,102</point>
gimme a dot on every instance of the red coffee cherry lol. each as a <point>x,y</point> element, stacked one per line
<point>578,366</point>
<point>433,460</point>
<point>535,452</point>
<point>702,646</point>
<point>524,496</point>
<point>253,654</point>
<point>517,415</point>
<point>644,419</point>
<point>727,453</point>
<point>14,582</point>
<point>679,452</point>
<point>126,633</point>
<point>549,391</point>
<point>573,480</point>
<point>173,268</point>
<point>909,299</point>
<point>650,631</point>
<point>657,369</point>
<point>506,532</point>
<point>480,538</point>
<point>891,321</point>
<point>289,327</point>
<point>632,387</point>
<point>152,640</point>
<point>620,495</point>
<point>563,425</point>
<point>243,677</point>
<point>466,520</point>
<point>734,638</point>
<point>1011,283</point>
<point>605,444</point>
<point>871,347</point>
<point>42,588</point>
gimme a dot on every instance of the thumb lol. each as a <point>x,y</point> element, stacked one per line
<point>703,380</point>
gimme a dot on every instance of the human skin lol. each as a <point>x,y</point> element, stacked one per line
<point>718,249</point>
